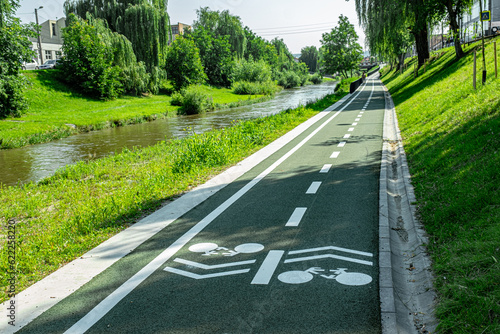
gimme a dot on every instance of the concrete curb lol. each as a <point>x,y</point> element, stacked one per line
<point>407,298</point>
<point>46,293</point>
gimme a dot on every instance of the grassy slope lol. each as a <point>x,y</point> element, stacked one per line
<point>82,205</point>
<point>53,106</point>
<point>451,134</point>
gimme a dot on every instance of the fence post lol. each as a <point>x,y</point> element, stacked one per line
<point>474,72</point>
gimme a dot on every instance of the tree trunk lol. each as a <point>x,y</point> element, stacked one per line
<point>459,53</point>
<point>422,45</point>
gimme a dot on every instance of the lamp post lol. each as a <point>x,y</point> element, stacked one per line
<point>39,38</point>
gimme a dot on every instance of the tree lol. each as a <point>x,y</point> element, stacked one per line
<point>219,24</point>
<point>215,54</point>
<point>341,51</point>
<point>183,63</point>
<point>309,55</point>
<point>455,9</point>
<point>145,23</point>
<point>14,48</point>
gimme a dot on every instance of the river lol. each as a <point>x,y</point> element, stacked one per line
<point>33,163</point>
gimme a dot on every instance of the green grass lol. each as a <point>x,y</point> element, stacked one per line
<point>82,205</point>
<point>451,135</point>
<point>57,111</point>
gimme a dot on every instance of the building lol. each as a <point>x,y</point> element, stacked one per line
<point>179,29</point>
<point>51,40</point>
<point>471,26</point>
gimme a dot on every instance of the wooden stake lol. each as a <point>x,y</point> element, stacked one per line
<point>474,72</point>
<point>495,55</point>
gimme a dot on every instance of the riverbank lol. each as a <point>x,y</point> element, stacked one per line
<point>82,205</point>
<point>56,111</point>
<point>451,135</point>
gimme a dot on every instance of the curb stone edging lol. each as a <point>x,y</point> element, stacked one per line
<point>407,298</point>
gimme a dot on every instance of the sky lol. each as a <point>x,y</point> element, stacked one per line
<point>299,23</point>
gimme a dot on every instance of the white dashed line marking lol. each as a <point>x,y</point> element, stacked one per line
<point>326,168</point>
<point>313,188</point>
<point>342,144</point>
<point>351,129</point>
<point>296,217</point>
<point>346,136</point>
<point>335,155</point>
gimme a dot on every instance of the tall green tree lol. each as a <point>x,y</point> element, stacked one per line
<point>309,55</point>
<point>220,24</point>
<point>215,54</point>
<point>145,23</point>
<point>341,51</point>
<point>183,64</point>
<point>14,48</point>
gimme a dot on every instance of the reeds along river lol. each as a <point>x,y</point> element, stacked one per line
<point>33,163</point>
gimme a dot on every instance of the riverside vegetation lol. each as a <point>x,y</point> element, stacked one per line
<point>82,205</point>
<point>451,135</point>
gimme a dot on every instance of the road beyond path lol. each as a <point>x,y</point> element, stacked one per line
<point>291,246</point>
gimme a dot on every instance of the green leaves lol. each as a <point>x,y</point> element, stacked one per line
<point>183,64</point>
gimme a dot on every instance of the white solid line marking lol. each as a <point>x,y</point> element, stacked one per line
<point>350,129</point>
<point>355,123</point>
<point>338,257</point>
<point>268,267</point>
<point>197,276</point>
<point>346,136</point>
<point>342,144</point>
<point>116,296</point>
<point>326,168</point>
<point>296,217</point>
<point>335,155</point>
<point>313,188</point>
<point>215,266</point>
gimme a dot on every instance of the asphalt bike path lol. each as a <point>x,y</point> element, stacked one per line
<point>289,247</point>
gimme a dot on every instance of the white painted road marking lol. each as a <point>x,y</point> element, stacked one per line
<point>214,266</point>
<point>338,257</point>
<point>327,248</point>
<point>342,144</point>
<point>313,188</point>
<point>346,136</point>
<point>358,119</point>
<point>326,168</point>
<point>296,217</point>
<point>350,129</point>
<point>335,155</point>
<point>116,296</point>
<point>197,276</point>
<point>268,267</point>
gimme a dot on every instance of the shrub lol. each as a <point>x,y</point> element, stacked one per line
<point>254,88</point>
<point>183,64</point>
<point>12,100</point>
<point>316,78</point>
<point>177,99</point>
<point>251,71</point>
<point>289,79</point>
<point>196,101</point>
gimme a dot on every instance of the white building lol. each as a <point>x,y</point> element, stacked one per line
<point>51,40</point>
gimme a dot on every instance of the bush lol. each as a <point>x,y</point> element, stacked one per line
<point>316,78</point>
<point>12,100</point>
<point>251,71</point>
<point>183,64</point>
<point>196,101</point>
<point>289,79</point>
<point>254,88</point>
<point>177,99</point>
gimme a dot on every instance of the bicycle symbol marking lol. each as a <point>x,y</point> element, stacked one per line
<point>339,274</point>
<point>209,248</point>
<point>267,268</point>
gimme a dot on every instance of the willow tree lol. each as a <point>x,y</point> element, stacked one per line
<point>385,27</point>
<point>145,23</point>
<point>220,24</point>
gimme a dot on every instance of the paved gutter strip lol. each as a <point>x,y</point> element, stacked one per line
<point>44,294</point>
<point>406,291</point>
